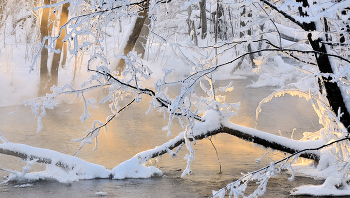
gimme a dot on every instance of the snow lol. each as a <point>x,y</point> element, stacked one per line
<point>335,179</point>
<point>328,188</point>
<point>308,169</point>
<point>289,143</point>
<point>132,168</point>
<point>101,193</point>
<point>212,121</point>
<point>179,53</point>
<point>296,34</point>
<point>75,168</point>
<point>277,74</point>
<point>23,186</point>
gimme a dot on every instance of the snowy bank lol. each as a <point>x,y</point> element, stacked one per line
<point>65,168</point>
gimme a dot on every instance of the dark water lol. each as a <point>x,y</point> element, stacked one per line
<point>134,132</point>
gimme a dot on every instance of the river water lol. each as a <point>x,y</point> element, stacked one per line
<point>134,132</point>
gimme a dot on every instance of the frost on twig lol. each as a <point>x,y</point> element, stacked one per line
<point>262,175</point>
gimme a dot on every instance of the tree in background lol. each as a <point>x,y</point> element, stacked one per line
<point>138,33</point>
<point>48,25</point>
<point>60,45</point>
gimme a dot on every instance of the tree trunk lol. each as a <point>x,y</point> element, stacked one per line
<point>59,46</point>
<point>278,143</point>
<point>188,20</point>
<point>140,46</point>
<point>203,15</point>
<point>194,36</point>
<point>44,31</point>
<point>333,92</point>
<point>25,156</point>
<point>64,55</point>
<point>139,23</point>
<point>249,47</point>
<point>242,134</point>
<point>261,42</point>
<point>191,26</point>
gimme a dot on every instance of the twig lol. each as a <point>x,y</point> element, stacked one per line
<point>217,154</point>
<point>97,128</point>
<point>280,161</point>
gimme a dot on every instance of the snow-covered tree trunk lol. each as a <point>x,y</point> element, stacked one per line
<point>217,119</point>
<point>210,129</point>
<point>191,26</point>
<point>332,90</point>
<point>140,46</point>
<point>134,35</point>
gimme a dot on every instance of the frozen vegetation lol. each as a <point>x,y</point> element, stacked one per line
<point>299,47</point>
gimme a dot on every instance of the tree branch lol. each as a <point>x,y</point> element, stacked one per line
<point>272,141</point>
<point>276,163</point>
<point>284,14</point>
<point>283,144</point>
<point>15,150</point>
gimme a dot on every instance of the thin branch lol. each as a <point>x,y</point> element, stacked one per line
<point>150,92</point>
<point>335,44</point>
<point>101,126</point>
<point>217,154</point>
<point>284,159</point>
<point>3,139</point>
<point>284,14</point>
<point>279,34</point>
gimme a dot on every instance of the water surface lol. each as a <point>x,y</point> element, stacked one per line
<point>134,132</point>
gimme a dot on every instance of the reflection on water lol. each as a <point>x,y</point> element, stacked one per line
<point>134,132</point>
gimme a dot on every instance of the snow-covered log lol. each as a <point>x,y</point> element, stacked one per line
<point>83,169</point>
<point>212,125</point>
<point>258,137</point>
<point>210,128</point>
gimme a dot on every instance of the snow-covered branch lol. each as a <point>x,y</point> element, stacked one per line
<point>264,174</point>
<point>67,163</point>
<point>210,127</point>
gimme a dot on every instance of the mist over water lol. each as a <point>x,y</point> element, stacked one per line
<point>133,132</point>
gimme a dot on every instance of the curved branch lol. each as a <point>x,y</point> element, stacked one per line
<point>150,92</point>
<point>278,162</point>
<point>211,126</point>
<point>258,137</point>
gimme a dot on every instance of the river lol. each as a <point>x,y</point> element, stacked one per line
<point>134,132</point>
